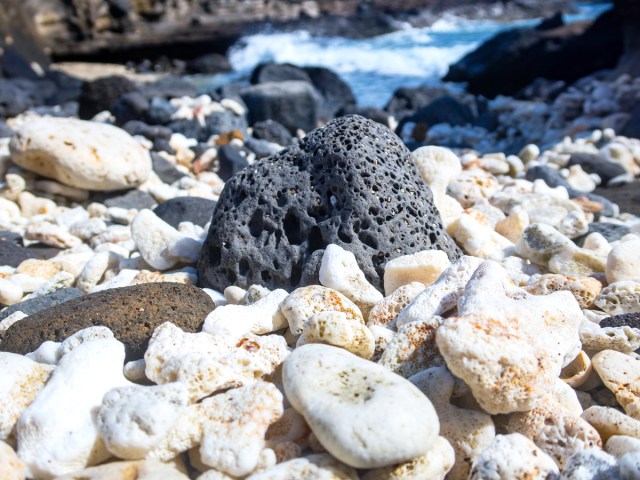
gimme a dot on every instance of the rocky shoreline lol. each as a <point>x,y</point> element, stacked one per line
<point>265,282</point>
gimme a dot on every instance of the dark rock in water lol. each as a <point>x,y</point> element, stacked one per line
<point>371,113</point>
<point>336,93</point>
<point>350,183</point>
<point>101,94</point>
<point>632,128</point>
<point>406,101</point>
<point>166,170</point>
<point>273,132</point>
<point>170,87</point>
<point>5,131</point>
<point>626,319</point>
<point>610,231</point>
<point>294,104</point>
<point>211,63</point>
<point>130,199</point>
<point>132,313</point>
<point>231,161</point>
<point>626,196</point>
<point>38,304</point>
<point>549,23</point>
<point>594,163</point>
<point>12,254</point>
<point>445,109</point>
<point>160,111</point>
<point>261,148</point>
<point>136,127</point>
<point>186,209</point>
<point>131,106</point>
<point>278,72</point>
<point>512,59</point>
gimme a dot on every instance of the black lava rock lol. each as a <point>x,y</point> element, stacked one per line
<point>166,170</point>
<point>155,132</point>
<point>278,72</point>
<point>550,176</point>
<point>12,254</point>
<point>335,92</point>
<point>160,111</point>
<point>186,209</point>
<point>626,319</point>
<point>131,106</point>
<point>406,101</point>
<point>129,199</point>
<point>5,131</point>
<point>294,104</point>
<point>20,94</point>
<point>350,183</point>
<point>272,131</point>
<point>230,161</point>
<point>594,163</point>
<point>38,304</point>
<point>371,113</point>
<point>101,94</point>
<point>445,109</point>
<point>261,148</point>
<point>223,122</point>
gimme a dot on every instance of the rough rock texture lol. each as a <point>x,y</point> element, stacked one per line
<point>350,183</point>
<point>131,313</point>
<point>630,319</point>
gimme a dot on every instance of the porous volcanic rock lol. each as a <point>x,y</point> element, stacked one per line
<point>350,183</point>
<point>132,313</point>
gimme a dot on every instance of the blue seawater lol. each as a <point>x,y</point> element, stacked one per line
<point>377,66</point>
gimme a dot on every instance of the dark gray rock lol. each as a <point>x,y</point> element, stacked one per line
<point>230,161</point>
<point>406,100</point>
<point>210,63</point>
<point>163,145</point>
<point>5,131</point>
<point>188,128</point>
<point>550,176</point>
<point>445,109</point>
<point>335,92</point>
<point>12,254</point>
<point>19,94</point>
<point>186,209</point>
<point>223,122</point>
<point>38,304</point>
<point>261,148</point>
<point>131,199</point>
<point>593,163</point>
<point>155,132</point>
<point>350,183</point>
<point>610,231</point>
<point>131,106</point>
<point>626,196</point>
<point>294,104</point>
<point>170,87</point>
<point>371,113</point>
<point>101,94</point>
<point>278,72</point>
<point>160,111</point>
<point>166,170</point>
<point>272,131</point>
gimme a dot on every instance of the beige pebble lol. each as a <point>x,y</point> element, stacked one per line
<point>619,445</point>
<point>138,470</point>
<point>337,329</point>
<point>620,297</point>
<point>621,374</point>
<point>11,467</point>
<point>584,289</point>
<point>424,267</point>
<point>387,310</point>
<point>623,261</point>
<point>513,225</point>
<point>316,466</point>
<point>479,240</point>
<point>52,235</point>
<point>10,292</point>
<point>610,421</point>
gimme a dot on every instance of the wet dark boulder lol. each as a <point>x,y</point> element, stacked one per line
<point>350,183</point>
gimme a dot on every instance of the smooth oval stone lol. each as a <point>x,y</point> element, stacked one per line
<point>81,154</point>
<point>363,414</point>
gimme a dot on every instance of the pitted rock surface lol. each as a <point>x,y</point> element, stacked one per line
<point>350,183</point>
<point>132,313</point>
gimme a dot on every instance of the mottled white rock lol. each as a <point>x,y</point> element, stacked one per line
<point>48,352</point>
<point>51,234</point>
<point>589,464</point>
<point>578,371</point>
<point>539,242</point>
<point>87,155</point>
<point>443,295</point>
<point>478,239</point>
<point>303,303</point>
<point>610,421</point>
<point>335,328</point>
<point>513,225</point>
<point>132,419</point>
<point>56,433</point>
<point>434,465</point>
<point>413,348</point>
<point>629,466</point>
<point>621,374</point>
<point>11,467</point>
<point>513,457</point>
<point>424,267</point>
<point>312,467</point>
<point>340,271</point>
<point>20,382</point>
<point>95,268</point>
<point>206,363</point>
<point>623,261</point>
<point>575,261</point>
<point>436,165</point>
<point>386,311</point>
<point>10,293</point>
<point>377,417</point>
<point>153,237</point>
<point>263,316</point>
<point>472,185</point>
<point>584,289</point>
<point>619,445</point>
<point>122,279</point>
<point>468,431</point>
<point>620,297</point>
<point>235,427</point>
<point>510,346</point>
<point>622,339</point>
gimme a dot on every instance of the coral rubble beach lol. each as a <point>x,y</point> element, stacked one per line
<point>268,281</point>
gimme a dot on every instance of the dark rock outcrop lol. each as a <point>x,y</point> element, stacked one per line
<point>273,132</point>
<point>132,313</point>
<point>509,61</point>
<point>350,183</point>
<point>101,94</point>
